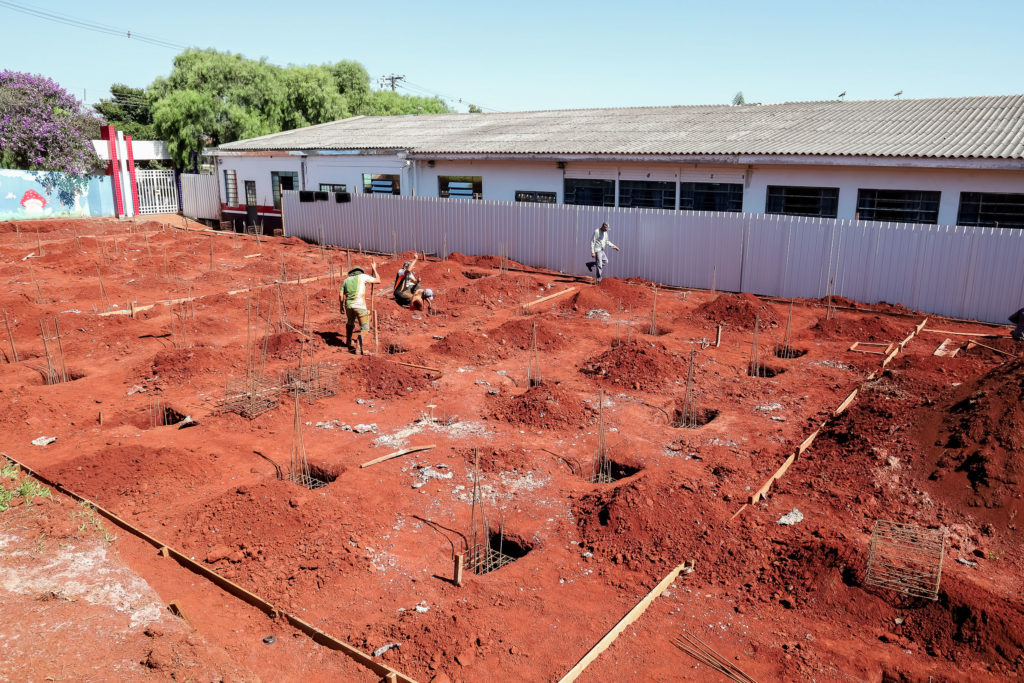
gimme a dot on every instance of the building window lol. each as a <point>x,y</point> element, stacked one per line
<point>900,206</point>
<point>250,193</point>
<point>711,196</point>
<point>991,209</point>
<point>589,192</point>
<point>536,196</point>
<point>461,186</point>
<point>793,200</point>
<point>281,181</point>
<point>231,187</point>
<point>376,183</point>
<point>333,187</point>
<point>647,194</point>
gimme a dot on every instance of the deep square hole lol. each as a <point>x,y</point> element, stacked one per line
<point>612,472</point>
<point>764,371</point>
<point>681,420</point>
<point>394,347</point>
<point>789,352</point>
<point>473,276</point>
<point>500,550</point>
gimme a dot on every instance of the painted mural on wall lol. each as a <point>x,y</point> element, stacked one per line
<point>43,194</point>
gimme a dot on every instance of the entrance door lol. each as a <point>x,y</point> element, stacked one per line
<point>251,209</point>
<point>158,192</point>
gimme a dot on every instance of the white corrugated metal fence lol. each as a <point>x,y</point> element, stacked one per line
<point>200,196</point>
<point>965,272</point>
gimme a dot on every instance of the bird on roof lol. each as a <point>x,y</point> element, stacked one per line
<point>842,95</point>
<point>898,93</point>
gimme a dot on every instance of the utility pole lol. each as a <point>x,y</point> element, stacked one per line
<point>392,79</point>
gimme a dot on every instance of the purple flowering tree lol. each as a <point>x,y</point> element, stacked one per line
<point>43,127</point>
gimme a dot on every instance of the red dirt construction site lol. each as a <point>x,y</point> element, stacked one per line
<point>543,480</point>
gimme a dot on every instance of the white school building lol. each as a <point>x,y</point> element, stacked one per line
<point>946,161</point>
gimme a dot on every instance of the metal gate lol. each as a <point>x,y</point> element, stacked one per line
<point>158,193</point>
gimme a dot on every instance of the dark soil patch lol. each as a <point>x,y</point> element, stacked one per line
<point>384,379</point>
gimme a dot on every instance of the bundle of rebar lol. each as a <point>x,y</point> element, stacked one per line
<point>53,348</point>
<point>533,375</point>
<point>482,556</point>
<point>699,650</point>
<point>654,313</point>
<point>10,338</point>
<point>601,470</point>
<point>686,416</point>
<point>906,558</point>
<point>157,412</point>
<point>785,350</point>
<point>298,466</point>
<point>755,369</point>
<point>830,308</point>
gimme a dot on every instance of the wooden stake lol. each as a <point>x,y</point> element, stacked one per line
<point>396,454</point>
<point>718,339</point>
<point>460,562</point>
<point>413,365</point>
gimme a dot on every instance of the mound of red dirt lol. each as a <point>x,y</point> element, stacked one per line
<point>980,436</point>
<point>498,459</point>
<point>383,379</point>
<point>486,261</point>
<point>646,524</point>
<point>738,311</point>
<point>633,294</point>
<point>517,333</point>
<point>460,344</point>
<point>546,406</point>
<point>283,345</point>
<point>858,327</point>
<point>116,473</point>
<point>590,299</point>
<point>174,366</point>
<point>636,364</point>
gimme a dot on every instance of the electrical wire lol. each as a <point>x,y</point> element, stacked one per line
<point>90,26</point>
<point>417,89</point>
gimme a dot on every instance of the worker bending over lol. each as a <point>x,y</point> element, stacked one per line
<point>409,290</point>
<point>353,304</point>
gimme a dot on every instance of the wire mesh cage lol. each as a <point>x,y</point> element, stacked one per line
<point>906,558</point>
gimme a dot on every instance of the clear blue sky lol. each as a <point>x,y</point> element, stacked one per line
<point>550,55</point>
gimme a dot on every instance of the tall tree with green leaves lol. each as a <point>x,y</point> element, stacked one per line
<point>129,110</point>
<point>211,98</point>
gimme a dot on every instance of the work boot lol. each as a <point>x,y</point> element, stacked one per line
<point>590,266</point>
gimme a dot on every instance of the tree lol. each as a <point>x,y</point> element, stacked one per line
<point>473,109</point>
<point>43,127</point>
<point>211,98</point>
<point>737,99</point>
<point>130,110</point>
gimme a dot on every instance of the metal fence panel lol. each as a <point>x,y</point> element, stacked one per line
<point>958,271</point>
<point>158,192</point>
<point>200,196</point>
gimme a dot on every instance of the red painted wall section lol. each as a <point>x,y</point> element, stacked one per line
<point>108,134</point>
<point>131,172</point>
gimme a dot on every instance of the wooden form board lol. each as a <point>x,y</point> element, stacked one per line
<point>871,347</point>
<point>976,335</point>
<point>946,348</point>
<point>529,304</point>
<point>389,456</point>
<point>631,616</point>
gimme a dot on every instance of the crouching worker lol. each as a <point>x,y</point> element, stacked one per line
<point>353,304</point>
<point>1018,320</point>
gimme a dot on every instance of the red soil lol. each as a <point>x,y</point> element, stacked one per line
<point>547,406</point>
<point>738,311</point>
<point>368,558</point>
<point>636,365</point>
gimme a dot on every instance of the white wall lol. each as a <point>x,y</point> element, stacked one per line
<point>501,179</point>
<point>950,182</point>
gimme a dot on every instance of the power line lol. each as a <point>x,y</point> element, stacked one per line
<point>90,26</point>
<point>413,87</point>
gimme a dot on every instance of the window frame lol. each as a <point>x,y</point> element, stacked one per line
<point>333,187</point>
<point>886,214</point>
<point>444,186</point>
<point>590,185</point>
<point>980,211</point>
<point>642,194</point>
<point>536,196</point>
<point>730,194</point>
<point>275,185</point>
<point>230,187</point>
<point>394,178</point>
<point>827,199</point>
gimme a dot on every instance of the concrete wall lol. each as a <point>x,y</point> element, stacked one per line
<point>501,179</point>
<point>43,194</point>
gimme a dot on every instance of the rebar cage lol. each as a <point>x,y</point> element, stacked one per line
<point>251,396</point>
<point>906,558</point>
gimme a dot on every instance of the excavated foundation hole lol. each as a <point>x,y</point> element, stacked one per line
<point>680,419</point>
<point>473,276</point>
<point>166,416</point>
<point>764,371</point>
<point>535,382</point>
<point>789,352</point>
<point>324,474</point>
<point>612,472</point>
<point>58,376</point>
<point>499,550</point>
<point>658,331</point>
<point>394,347</point>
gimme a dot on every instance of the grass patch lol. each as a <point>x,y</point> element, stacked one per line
<point>27,488</point>
<point>89,518</point>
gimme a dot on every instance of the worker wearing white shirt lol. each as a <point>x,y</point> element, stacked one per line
<point>599,243</point>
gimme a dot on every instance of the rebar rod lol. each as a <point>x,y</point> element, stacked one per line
<point>654,313</point>
<point>60,349</point>
<point>51,375</point>
<point>755,361</point>
<point>10,336</point>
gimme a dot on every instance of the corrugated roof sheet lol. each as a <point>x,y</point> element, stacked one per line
<point>964,127</point>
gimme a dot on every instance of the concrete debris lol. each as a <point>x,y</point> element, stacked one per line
<point>791,518</point>
<point>137,389</point>
<point>425,473</point>
<point>44,440</point>
<point>598,313</point>
<point>187,422</point>
<point>384,648</point>
<point>422,607</point>
<point>969,563</point>
<point>363,429</point>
